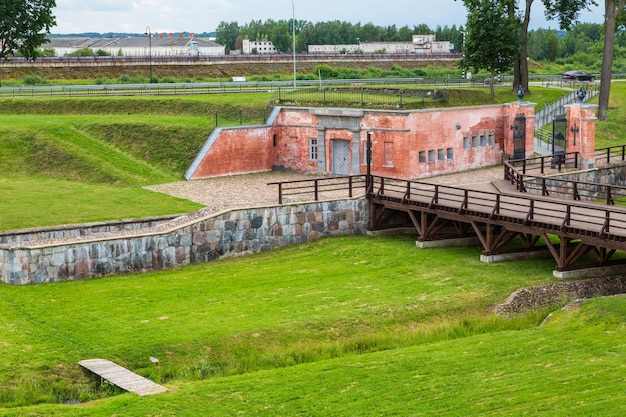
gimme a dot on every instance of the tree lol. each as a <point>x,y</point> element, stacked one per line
<point>280,36</point>
<point>613,12</point>
<point>226,34</point>
<point>565,11</point>
<point>24,25</point>
<point>492,41</point>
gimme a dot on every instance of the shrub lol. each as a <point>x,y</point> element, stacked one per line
<point>35,80</point>
<point>82,52</point>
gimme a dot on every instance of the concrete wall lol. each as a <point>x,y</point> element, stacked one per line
<point>405,144</point>
<point>194,238</point>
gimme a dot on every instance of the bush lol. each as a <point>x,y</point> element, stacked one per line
<point>325,71</point>
<point>35,80</point>
<point>82,52</point>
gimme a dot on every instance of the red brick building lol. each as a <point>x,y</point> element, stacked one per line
<point>405,143</point>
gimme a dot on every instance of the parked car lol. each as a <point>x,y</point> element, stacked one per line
<point>577,75</point>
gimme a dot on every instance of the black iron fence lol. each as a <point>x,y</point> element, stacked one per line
<point>359,96</point>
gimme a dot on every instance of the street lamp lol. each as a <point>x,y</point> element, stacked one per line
<point>149,34</point>
<point>293,36</point>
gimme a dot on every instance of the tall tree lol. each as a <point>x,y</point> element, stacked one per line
<point>226,34</point>
<point>492,42</point>
<point>566,12</point>
<point>24,25</point>
<point>613,10</point>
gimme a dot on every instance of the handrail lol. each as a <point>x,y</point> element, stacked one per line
<point>541,163</point>
<point>319,187</point>
<point>531,210</point>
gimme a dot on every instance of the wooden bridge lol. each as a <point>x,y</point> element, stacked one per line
<point>505,216</point>
<point>122,377</point>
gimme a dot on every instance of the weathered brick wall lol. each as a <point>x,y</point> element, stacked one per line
<point>198,237</point>
<point>405,144</point>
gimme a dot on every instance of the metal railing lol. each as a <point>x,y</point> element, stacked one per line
<point>549,112</point>
<point>150,89</point>
<point>114,60</point>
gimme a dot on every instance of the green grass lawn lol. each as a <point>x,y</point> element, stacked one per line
<point>342,326</point>
<point>353,326</point>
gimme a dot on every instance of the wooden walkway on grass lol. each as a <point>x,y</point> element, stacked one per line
<point>122,377</point>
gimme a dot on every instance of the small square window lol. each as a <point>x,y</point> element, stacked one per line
<point>313,149</point>
<point>422,157</point>
<point>431,156</point>
<point>483,140</point>
<point>450,154</point>
<point>441,154</point>
<point>491,140</point>
<point>475,142</point>
<point>466,143</point>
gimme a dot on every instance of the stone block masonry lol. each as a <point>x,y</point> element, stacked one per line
<point>195,238</point>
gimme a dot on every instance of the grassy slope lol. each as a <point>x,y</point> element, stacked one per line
<point>85,159</point>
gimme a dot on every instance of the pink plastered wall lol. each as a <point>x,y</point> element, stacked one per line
<point>405,144</point>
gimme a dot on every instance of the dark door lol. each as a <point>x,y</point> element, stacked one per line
<point>519,137</point>
<point>559,133</point>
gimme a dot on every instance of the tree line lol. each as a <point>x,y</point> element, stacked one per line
<point>336,32</point>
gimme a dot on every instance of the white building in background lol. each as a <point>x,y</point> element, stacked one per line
<point>160,45</point>
<point>421,44</point>
<point>258,47</point>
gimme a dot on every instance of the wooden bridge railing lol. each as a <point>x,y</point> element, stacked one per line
<point>546,163</point>
<point>547,214</point>
<point>516,172</point>
<point>321,188</point>
<point>611,154</point>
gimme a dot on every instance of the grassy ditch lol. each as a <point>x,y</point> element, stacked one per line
<point>327,299</point>
<point>342,326</point>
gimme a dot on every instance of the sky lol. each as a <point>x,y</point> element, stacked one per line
<point>135,16</point>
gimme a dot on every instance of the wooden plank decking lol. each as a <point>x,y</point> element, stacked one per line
<point>122,377</point>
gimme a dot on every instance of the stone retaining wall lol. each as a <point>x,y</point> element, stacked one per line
<point>76,230</point>
<point>615,176</point>
<point>534,298</point>
<point>198,237</point>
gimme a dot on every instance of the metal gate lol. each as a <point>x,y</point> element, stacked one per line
<point>519,137</point>
<point>559,133</point>
<point>341,157</point>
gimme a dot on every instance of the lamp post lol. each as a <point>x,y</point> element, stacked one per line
<point>149,34</point>
<point>293,36</point>
<point>368,154</point>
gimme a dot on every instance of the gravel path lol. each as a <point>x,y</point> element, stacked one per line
<point>251,190</point>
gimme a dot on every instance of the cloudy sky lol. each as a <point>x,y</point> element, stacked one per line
<point>77,16</point>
